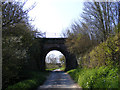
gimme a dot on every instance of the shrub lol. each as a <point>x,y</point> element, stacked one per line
<point>102,77</point>
<point>36,79</point>
<point>105,54</point>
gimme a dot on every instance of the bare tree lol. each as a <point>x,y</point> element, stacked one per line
<point>51,59</point>
<point>13,12</point>
<point>101,18</point>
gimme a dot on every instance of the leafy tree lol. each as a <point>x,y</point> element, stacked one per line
<point>78,45</point>
<point>17,37</point>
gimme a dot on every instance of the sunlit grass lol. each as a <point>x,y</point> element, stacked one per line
<point>103,77</point>
<point>51,69</point>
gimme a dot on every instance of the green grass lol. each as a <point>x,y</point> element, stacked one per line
<point>51,69</point>
<point>62,68</point>
<point>103,77</point>
<point>36,79</point>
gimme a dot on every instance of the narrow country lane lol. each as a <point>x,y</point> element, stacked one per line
<point>59,80</point>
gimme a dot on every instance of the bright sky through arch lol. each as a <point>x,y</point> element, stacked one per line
<point>54,16</point>
<point>56,53</point>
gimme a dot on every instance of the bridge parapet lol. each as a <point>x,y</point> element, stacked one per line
<point>53,40</point>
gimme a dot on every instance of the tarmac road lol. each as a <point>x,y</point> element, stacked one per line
<point>59,80</point>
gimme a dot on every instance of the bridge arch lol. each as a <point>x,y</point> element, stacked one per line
<point>49,44</point>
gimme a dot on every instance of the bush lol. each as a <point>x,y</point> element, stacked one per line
<point>102,77</point>
<point>36,79</point>
<point>105,54</point>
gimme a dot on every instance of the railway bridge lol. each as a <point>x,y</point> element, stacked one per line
<point>49,44</point>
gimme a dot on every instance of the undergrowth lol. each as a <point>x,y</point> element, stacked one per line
<point>35,79</point>
<point>102,77</point>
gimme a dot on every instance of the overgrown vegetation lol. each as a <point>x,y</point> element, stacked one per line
<point>99,77</point>
<point>105,54</point>
<point>95,40</point>
<point>99,68</point>
<point>34,80</point>
<point>18,40</point>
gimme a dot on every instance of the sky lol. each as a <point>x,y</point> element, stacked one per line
<point>54,16</point>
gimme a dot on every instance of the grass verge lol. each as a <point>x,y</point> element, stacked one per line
<point>51,69</point>
<point>62,68</point>
<point>36,79</point>
<point>102,77</point>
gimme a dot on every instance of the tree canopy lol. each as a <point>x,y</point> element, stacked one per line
<point>17,37</point>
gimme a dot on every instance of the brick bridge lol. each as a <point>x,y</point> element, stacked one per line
<point>49,44</point>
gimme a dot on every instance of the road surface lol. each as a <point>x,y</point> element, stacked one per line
<point>59,80</point>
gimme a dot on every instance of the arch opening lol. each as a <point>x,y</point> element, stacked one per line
<point>55,59</point>
<point>49,44</point>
